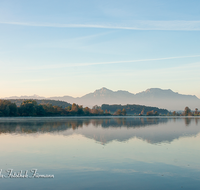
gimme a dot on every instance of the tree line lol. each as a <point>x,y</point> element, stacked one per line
<point>187,112</point>
<point>32,108</point>
<point>135,109</point>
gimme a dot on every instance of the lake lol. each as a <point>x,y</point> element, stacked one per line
<point>100,152</point>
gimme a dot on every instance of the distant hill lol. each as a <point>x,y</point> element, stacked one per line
<point>53,102</point>
<point>155,97</point>
<point>26,97</point>
<point>133,109</point>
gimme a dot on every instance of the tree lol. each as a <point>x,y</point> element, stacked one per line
<point>123,112</point>
<point>40,110</point>
<point>150,113</point>
<point>156,113</point>
<point>29,102</point>
<point>7,111</point>
<point>80,110</point>
<point>13,109</point>
<point>96,107</point>
<point>74,107</point>
<point>7,108</point>
<point>95,111</point>
<point>69,108</point>
<point>118,112</point>
<point>28,108</point>
<point>196,111</point>
<point>86,111</point>
<point>187,111</point>
<point>174,113</point>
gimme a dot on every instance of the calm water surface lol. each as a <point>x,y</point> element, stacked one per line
<point>102,153</point>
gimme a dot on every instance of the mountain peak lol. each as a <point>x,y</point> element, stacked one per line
<point>35,96</point>
<point>103,90</point>
<point>156,90</point>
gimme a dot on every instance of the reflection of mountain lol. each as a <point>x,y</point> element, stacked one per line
<point>152,130</point>
<point>104,130</point>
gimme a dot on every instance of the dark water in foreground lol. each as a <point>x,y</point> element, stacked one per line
<point>101,153</point>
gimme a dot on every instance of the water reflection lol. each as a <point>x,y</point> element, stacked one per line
<point>137,152</point>
<point>187,121</point>
<point>196,121</point>
<point>105,130</point>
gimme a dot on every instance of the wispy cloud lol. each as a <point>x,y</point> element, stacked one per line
<point>111,62</point>
<point>131,61</point>
<point>132,25</point>
<point>69,65</point>
<point>68,43</point>
<point>175,73</point>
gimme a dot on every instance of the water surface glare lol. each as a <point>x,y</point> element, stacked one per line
<point>102,152</point>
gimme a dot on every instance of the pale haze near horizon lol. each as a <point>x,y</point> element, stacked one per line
<point>56,48</point>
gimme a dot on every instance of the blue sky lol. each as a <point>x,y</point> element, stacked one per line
<point>56,48</point>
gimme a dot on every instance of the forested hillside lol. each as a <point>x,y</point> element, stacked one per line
<point>133,109</point>
<point>32,108</point>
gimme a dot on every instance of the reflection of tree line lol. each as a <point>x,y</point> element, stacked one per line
<point>53,126</point>
<point>188,120</point>
<point>132,123</point>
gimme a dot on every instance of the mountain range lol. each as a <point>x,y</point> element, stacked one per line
<point>151,97</point>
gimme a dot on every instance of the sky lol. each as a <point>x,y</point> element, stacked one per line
<point>73,47</point>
